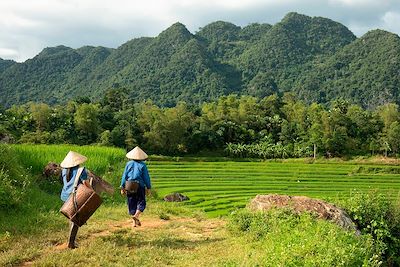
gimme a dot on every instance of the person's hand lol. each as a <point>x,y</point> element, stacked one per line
<point>87,183</point>
<point>148,192</point>
<point>123,192</point>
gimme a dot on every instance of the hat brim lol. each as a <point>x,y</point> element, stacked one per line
<point>72,159</point>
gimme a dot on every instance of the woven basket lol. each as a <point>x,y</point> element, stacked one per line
<point>87,201</point>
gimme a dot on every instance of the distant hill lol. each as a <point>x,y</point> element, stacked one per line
<point>316,58</point>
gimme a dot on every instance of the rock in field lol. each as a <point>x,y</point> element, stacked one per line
<point>175,197</point>
<point>300,204</point>
<point>52,169</point>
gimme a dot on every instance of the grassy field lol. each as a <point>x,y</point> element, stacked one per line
<point>217,187</point>
<point>184,234</point>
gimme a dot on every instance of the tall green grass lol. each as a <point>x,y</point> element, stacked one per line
<point>13,180</point>
<point>282,238</point>
<point>35,157</point>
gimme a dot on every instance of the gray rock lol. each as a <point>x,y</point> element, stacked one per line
<point>175,197</point>
<point>300,204</point>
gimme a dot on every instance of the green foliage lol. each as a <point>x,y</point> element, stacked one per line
<point>35,157</point>
<point>363,71</point>
<point>378,216</point>
<point>86,121</point>
<point>243,126</point>
<point>13,180</point>
<point>268,150</point>
<point>165,130</point>
<point>301,240</point>
<point>316,58</point>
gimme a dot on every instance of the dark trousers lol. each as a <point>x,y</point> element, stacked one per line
<point>137,201</point>
<point>72,234</point>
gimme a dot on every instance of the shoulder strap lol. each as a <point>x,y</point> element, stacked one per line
<point>78,174</point>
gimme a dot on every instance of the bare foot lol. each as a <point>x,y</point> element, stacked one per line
<point>137,222</point>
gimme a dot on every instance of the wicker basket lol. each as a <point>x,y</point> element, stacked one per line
<point>86,203</point>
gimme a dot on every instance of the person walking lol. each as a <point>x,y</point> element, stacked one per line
<point>70,169</point>
<point>135,183</point>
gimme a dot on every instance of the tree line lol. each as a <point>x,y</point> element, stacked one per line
<point>240,126</point>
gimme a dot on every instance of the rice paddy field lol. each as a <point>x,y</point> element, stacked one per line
<point>219,185</point>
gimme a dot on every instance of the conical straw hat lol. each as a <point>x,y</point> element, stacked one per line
<point>137,154</point>
<point>72,159</point>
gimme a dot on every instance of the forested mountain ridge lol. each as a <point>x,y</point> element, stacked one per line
<point>367,71</point>
<point>316,58</point>
<point>4,64</point>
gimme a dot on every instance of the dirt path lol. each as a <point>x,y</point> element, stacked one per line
<point>113,226</point>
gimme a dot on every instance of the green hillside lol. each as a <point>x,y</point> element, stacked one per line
<point>366,71</point>
<point>4,64</point>
<point>317,58</point>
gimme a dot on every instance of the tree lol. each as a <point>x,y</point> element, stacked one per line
<point>316,136</point>
<point>393,136</point>
<point>105,138</point>
<point>388,113</point>
<point>87,123</point>
<point>41,115</point>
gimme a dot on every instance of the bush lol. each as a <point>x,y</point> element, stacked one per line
<point>13,181</point>
<point>376,215</point>
<point>268,150</point>
<point>281,238</point>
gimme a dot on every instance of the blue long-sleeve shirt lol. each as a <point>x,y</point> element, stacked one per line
<point>136,170</point>
<point>69,185</point>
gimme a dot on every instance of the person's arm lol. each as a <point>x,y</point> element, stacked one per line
<point>146,177</point>
<point>124,176</point>
<point>84,177</point>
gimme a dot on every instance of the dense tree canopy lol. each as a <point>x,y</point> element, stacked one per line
<point>317,59</point>
<point>246,126</point>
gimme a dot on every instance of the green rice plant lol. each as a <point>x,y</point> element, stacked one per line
<point>35,157</point>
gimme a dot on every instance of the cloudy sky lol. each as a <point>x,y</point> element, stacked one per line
<point>28,26</point>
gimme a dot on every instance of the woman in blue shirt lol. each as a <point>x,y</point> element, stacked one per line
<point>136,172</point>
<point>70,166</point>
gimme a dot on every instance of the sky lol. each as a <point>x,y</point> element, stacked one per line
<point>28,26</point>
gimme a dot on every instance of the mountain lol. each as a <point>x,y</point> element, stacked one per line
<point>4,64</point>
<point>316,58</point>
<point>281,54</point>
<point>366,71</point>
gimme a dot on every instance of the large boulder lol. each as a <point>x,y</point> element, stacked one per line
<point>175,197</point>
<point>299,204</point>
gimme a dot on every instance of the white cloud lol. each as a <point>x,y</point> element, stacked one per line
<point>28,26</point>
<point>7,52</point>
<point>361,3</point>
<point>391,21</point>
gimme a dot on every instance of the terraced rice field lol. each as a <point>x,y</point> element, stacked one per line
<point>218,187</point>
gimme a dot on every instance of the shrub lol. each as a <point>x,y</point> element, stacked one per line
<point>281,238</point>
<point>376,215</point>
<point>268,150</point>
<point>13,181</point>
